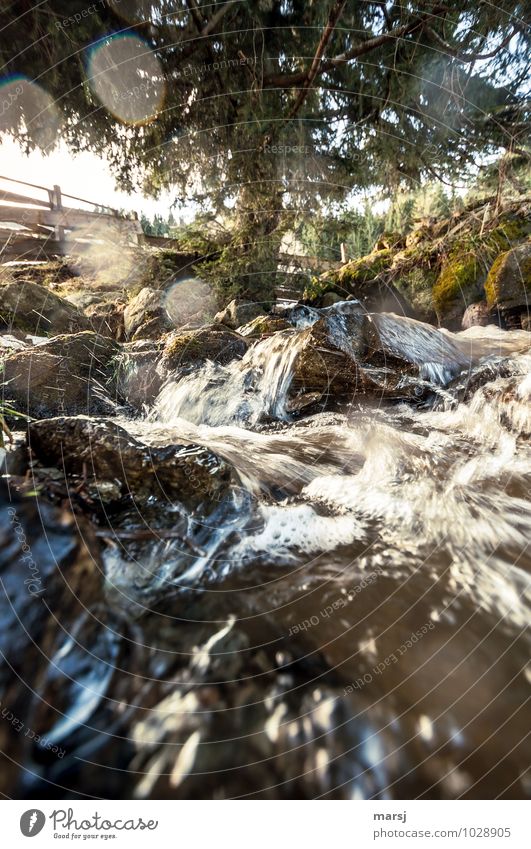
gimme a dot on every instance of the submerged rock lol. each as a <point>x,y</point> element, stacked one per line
<point>476,315</point>
<point>28,306</point>
<point>103,452</point>
<point>63,375</point>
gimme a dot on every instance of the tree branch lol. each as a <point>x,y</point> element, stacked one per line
<point>333,18</point>
<point>291,80</point>
<point>212,24</point>
<point>470,57</point>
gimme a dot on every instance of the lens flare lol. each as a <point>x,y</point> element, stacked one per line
<point>127,78</point>
<point>28,111</point>
<point>190,302</point>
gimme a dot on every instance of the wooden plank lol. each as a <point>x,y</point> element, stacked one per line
<point>67,218</point>
<point>13,197</point>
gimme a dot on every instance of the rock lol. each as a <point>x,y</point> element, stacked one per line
<point>321,367</point>
<point>136,375</point>
<point>476,315</point>
<point>63,375</point>
<point>330,298</point>
<point>145,316</point>
<point>238,313</point>
<point>107,319</point>
<point>193,347</point>
<point>348,351</point>
<point>458,285</point>
<point>51,573</point>
<point>364,280</point>
<point>525,321</point>
<point>263,325</point>
<point>508,284</point>
<point>107,453</point>
<point>15,457</point>
<point>27,306</point>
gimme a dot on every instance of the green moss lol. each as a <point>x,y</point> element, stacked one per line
<point>491,283</point>
<point>458,274</point>
<point>365,269</point>
<point>184,341</point>
<point>319,285</point>
<point>520,276</point>
<point>357,272</point>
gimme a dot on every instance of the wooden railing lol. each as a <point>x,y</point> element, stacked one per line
<point>45,224</point>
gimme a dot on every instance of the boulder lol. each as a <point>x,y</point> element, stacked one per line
<point>346,351</point>
<point>190,348</point>
<point>330,298</point>
<point>459,284</point>
<point>63,375</point>
<point>107,319</point>
<point>238,313</point>
<point>28,306</point>
<point>364,280</point>
<point>476,315</point>
<point>508,284</point>
<point>263,326</point>
<point>146,316</point>
<point>117,464</point>
<point>136,375</point>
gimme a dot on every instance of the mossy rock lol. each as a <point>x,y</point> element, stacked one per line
<point>416,284</point>
<point>263,325</point>
<point>508,283</point>
<point>348,278</point>
<point>392,240</point>
<point>193,347</point>
<point>365,269</point>
<point>458,285</point>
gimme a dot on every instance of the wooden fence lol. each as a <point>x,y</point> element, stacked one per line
<point>44,223</point>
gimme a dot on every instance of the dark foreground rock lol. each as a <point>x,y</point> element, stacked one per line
<point>65,375</point>
<point>51,572</point>
<point>115,464</point>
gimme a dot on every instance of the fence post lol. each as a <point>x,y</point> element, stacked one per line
<point>344,256</point>
<point>57,204</point>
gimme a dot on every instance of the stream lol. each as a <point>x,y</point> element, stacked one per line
<point>350,620</point>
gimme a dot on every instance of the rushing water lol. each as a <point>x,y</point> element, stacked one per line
<point>350,619</point>
<point>382,546</point>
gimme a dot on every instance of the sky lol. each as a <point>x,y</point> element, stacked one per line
<point>84,175</point>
